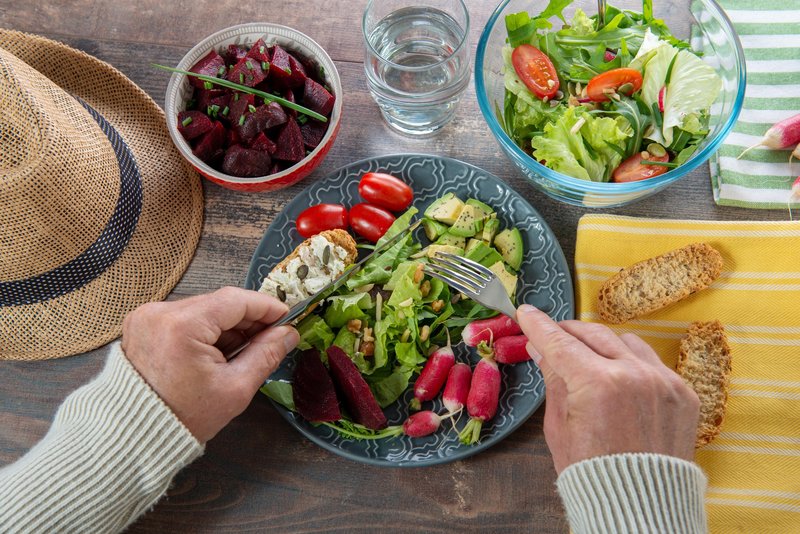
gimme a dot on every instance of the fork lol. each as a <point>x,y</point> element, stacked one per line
<point>473,280</point>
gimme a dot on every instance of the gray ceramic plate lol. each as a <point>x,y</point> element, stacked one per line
<point>545,283</point>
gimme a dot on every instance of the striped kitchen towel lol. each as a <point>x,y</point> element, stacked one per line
<point>753,466</point>
<point>769,31</point>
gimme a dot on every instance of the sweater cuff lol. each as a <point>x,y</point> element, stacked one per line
<point>110,454</point>
<point>634,492</point>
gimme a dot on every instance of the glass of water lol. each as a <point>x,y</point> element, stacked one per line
<point>417,61</point>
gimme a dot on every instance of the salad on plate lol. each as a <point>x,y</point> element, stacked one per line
<point>620,102</point>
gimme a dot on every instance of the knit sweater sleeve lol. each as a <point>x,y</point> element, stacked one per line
<point>110,454</point>
<point>634,493</point>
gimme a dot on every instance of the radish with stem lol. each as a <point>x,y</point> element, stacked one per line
<point>509,349</point>
<point>489,329</point>
<point>782,135</point>
<point>433,375</point>
<point>484,395</point>
<point>423,423</point>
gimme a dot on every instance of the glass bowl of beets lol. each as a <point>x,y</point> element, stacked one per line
<point>249,142</point>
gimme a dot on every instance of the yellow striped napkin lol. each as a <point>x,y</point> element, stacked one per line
<point>753,466</point>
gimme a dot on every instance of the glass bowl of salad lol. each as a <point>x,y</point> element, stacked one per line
<point>604,113</point>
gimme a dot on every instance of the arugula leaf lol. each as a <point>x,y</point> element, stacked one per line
<point>356,431</point>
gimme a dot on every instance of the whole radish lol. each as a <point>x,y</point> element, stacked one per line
<point>509,349</point>
<point>782,135</point>
<point>433,375</point>
<point>423,423</point>
<point>484,395</point>
<point>489,330</point>
<point>457,387</point>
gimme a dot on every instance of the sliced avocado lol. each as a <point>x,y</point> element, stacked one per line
<point>433,229</point>
<point>483,254</point>
<point>490,229</point>
<point>433,249</point>
<point>485,208</point>
<point>469,222</point>
<point>509,244</point>
<point>508,279</point>
<point>471,244</point>
<point>445,209</point>
<point>452,240</point>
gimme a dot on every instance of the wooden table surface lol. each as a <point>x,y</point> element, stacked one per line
<point>259,474</point>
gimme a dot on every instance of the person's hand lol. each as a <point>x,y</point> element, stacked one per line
<point>172,345</point>
<point>607,394</point>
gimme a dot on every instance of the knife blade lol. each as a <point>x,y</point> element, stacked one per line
<point>299,308</point>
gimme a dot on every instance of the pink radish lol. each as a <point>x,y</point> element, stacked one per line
<point>433,375</point>
<point>484,395</point>
<point>609,56</point>
<point>782,135</point>
<point>457,387</point>
<point>489,330</point>
<point>662,95</point>
<point>511,349</point>
<point>423,423</point>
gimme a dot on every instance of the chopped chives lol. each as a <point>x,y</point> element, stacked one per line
<point>225,111</point>
<point>261,49</point>
<point>207,85</point>
<point>241,78</point>
<point>236,97</point>
<point>252,108</point>
<point>241,119</point>
<point>221,71</point>
<point>249,64</point>
<point>302,119</point>
<point>288,71</point>
<point>264,66</point>
<point>186,122</point>
<point>667,164</point>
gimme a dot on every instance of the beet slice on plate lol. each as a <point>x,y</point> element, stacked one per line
<point>312,389</point>
<point>358,397</point>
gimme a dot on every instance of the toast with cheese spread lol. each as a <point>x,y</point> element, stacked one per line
<point>311,266</point>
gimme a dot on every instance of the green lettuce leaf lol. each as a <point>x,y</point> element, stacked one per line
<point>403,286</point>
<point>388,389</point>
<point>280,392</point>
<point>342,308</point>
<point>581,24</point>
<point>314,332</point>
<point>408,355</point>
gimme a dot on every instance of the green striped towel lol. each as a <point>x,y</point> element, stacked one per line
<point>769,31</point>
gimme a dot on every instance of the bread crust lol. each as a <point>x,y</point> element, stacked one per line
<point>655,283</point>
<point>704,363</point>
<point>335,236</point>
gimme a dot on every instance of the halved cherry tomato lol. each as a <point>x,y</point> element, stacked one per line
<point>385,191</point>
<point>315,219</point>
<point>632,169</point>
<point>611,81</point>
<point>370,222</point>
<point>535,70</point>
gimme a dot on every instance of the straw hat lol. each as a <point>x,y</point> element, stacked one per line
<point>99,213</point>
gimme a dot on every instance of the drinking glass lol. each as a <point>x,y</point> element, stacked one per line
<point>417,61</point>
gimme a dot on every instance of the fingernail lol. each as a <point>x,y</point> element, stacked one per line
<point>533,353</point>
<point>526,308</point>
<point>290,338</point>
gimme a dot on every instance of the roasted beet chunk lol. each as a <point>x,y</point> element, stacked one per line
<point>262,142</point>
<point>312,389</point>
<point>358,397</point>
<point>240,161</point>
<point>247,72</point>
<point>259,51</point>
<point>234,53</point>
<point>317,98</point>
<point>290,143</point>
<point>208,65</point>
<point>298,77</point>
<point>209,149</point>
<point>208,98</point>
<point>313,132</point>
<point>262,119</point>
<point>239,108</point>
<point>193,124</point>
<point>280,70</point>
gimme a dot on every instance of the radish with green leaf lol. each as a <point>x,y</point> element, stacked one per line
<point>509,349</point>
<point>489,329</point>
<point>482,401</point>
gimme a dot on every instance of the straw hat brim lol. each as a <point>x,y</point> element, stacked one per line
<point>167,231</point>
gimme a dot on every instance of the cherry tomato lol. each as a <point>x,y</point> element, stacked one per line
<point>632,169</point>
<point>611,81</point>
<point>315,219</point>
<point>370,222</point>
<point>535,70</point>
<point>385,191</point>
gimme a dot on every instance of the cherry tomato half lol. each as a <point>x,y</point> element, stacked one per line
<point>535,70</point>
<point>612,80</point>
<point>632,170</point>
<point>315,219</point>
<point>370,222</point>
<point>385,191</point>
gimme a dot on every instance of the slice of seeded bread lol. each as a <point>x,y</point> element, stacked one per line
<point>704,363</point>
<point>655,283</point>
<point>335,236</point>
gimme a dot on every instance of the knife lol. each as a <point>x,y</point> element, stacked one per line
<point>299,308</point>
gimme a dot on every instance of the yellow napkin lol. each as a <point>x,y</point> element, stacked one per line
<point>753,466</point>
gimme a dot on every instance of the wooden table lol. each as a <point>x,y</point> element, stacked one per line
<point>259,474</point>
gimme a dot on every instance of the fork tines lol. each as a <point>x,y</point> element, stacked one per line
<point>460,273</point>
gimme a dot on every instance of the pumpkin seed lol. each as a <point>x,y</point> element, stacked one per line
<point>625,88</point>
<point>656,150</point>
<point>302,272</point>
<point>326,255</point>
<point>281,293</point>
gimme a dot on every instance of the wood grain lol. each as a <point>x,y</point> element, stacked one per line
<point>259,474</point>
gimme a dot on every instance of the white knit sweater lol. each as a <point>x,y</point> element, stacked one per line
<point>114,447</point>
